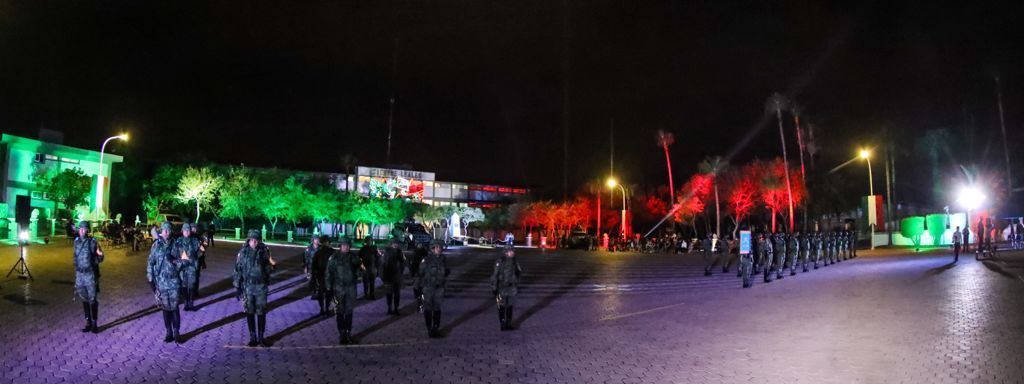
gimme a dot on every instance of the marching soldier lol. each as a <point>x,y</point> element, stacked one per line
<point>805,250</point>
<point>414,270</point>
<point>307,266</point>
<point>392,269</point>
<point>343,271</point>
<point>792,251</point>
<point>746,264</point>
<point>87,259</point>
<point>725,254</point>
<point>764,256</point>
<point>193,260</point>
<point>370,256</point>
<point>956,244</point>
<point>251,280</point>
<point>164,275</point>
<point>709,244</point>
<point>816,246</point>
<point>853,244</point>
<point>318,273</point>
<point>433,274</point>
<point>779,251</point>
<point>505,285</point>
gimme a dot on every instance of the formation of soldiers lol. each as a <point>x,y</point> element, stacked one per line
<point>174,265</point>
<point>774,253</point>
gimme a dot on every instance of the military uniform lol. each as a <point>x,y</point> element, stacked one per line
<point>163,272</point>
<point>251,279</point>
<point>805,250</point>
<point>414,268</point>
<point>342,274</point>
<point>505,286</point>
<point>746,265</point>
<point>764,256</point>
<point>391,274</point>
<point>725,254</point>
<point>307,268</point>
<point>371,261</point>
<point>190,269</point>
<point>792,250</point>
<point>708,252</point>
<point>779,250</point>
<point>431,279</point>
<point>816,247</point>
<point>87,258</point>
<point>318,277</point>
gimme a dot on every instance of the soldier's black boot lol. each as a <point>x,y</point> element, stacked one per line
<point>501,318</point>
<point>389,299</point>
<point>396,312</point>
<point>428,318</point>
<point>508,318</point>
<point>95,310</point>
<point>261,327</point>
<point>87,310</point>
<point>251,322</point>
<point>348,330</point>
<point>168,336</point>
<point>176,325</point>
<point>435,325</point>
<point>340,320</point>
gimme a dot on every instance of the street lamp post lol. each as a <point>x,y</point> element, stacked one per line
<point>970,198</point>
<point>99,173</point>
<point>622,224</point>
<point>866,155</point>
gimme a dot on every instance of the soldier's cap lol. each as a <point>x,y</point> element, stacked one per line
<point>187,227</point>
<point>509,248</point>
<point>316,236</point>
<point>83,224</point>
<point>165,226</point>
<point>254,234</point>
<point>436,243</point>
<point>345,241</point>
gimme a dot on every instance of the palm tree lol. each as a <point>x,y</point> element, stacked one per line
<point>776,103</point>
<point>796,110</point>
<point>713,165</point>
<point>666,139</point>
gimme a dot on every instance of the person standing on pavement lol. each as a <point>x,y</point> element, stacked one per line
<point>251,280</point>
<point>343,270</point>
<point>805,250</point>
<point>391,274</point>
<point>779,251</point>
<point>431,279</point>
<point>792,250</point>
<point>163,272</point>
<point>746,265</point>
<point>307,267</point>
<point>505,285</point>
<point>725,253</point>
<point>967,237</point>
<point>709,244</point>
<point>414,269</point>
<point>318,276</point>
<point>87,256</point>
<point>957,239</point>
<point>764,259</point>
<point>370,256</point>
<point>193,255</point>
<point>816,247</point>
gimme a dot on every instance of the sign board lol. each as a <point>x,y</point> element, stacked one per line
<point>744,242</point>
<point>389,173</point>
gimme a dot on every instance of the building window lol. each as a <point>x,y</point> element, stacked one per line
<point>67,160</point>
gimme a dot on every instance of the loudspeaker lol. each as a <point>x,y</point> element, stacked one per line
<point>23,209</point>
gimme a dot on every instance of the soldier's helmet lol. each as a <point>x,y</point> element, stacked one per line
<point>316,236</point>
<point>508,248</point>
<point>254,234</point>
<point>437,243</point>
<point>166,226</point>
<point>187,227</point>
<point>83,224</point>
<point>344,241</point>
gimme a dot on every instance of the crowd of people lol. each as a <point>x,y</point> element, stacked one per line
<point>774,253</point>
<point>174,267</point>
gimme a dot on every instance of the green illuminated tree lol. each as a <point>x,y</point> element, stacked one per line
<point>323,205</point>
<point>296,200</point>
<point>468,215</point>
<point>237,195</point>
<point>151,207</point>
<point>70,187</point>
<point>271,204</point>
<point>164,186</point>
<point>198,185</point>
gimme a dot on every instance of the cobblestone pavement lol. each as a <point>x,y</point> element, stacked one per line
<point>582,317</point>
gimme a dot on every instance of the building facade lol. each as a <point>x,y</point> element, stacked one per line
<point>422,186</point>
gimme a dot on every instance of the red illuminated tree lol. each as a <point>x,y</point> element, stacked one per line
<point>743,188</point>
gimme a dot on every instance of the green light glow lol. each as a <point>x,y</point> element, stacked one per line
<point>912,228</point>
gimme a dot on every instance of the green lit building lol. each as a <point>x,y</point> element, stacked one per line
<point>23,157</point>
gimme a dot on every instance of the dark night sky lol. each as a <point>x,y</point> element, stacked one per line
<point>479,83</point>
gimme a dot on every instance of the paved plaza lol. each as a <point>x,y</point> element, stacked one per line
<point>586,317</point>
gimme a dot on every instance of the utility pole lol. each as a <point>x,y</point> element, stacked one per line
<point>565,100</point>
<point>391,101</point>
<point>1006,149</point>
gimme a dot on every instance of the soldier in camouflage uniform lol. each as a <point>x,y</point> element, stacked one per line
<point>343,271</point>
<point>370,256</point>
<point>87,258</point>
<point>708,245</point>
<point>391,273</point>
<point>779,250</point>
<point>843,245</point>
<point>816,248</point>
<point>190,266</point>
<point>792,251</point>
<point>307,266</point>
<point>414,268</point>
<point>853,244</point>
<point>505,285</point>
<point>251,280</point>
<point>764,256</point>
<point>163,272</point>
<point>805,250</point>
<point>431,280</point>
<point>746,265</point>
<point>318,273</point>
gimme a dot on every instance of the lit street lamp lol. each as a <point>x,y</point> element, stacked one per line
<point>866,155</point>
<point>99,174</point>
<point>970,198</point>
<point>612,183</point>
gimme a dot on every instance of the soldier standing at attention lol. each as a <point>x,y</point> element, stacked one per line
<point>764,256</point>
<point>251,280</point>
<point>307,266</point>
<point>371,260</point>
<point>87,259</point>
<point>793,250</point>
<point>190,264</point>
<point>164,275</point>
<point>342,273</point>
<point>393,267</point>
<point>414,269</point>
<point>956,244</point>
<point>708,244</point>
<point>805,250</point>
<point>433,274</point>
<point>816,248</point>
<point>318,272</point>
<point>967,237</point>
<point>505,285</point>
<point>779,250</point>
